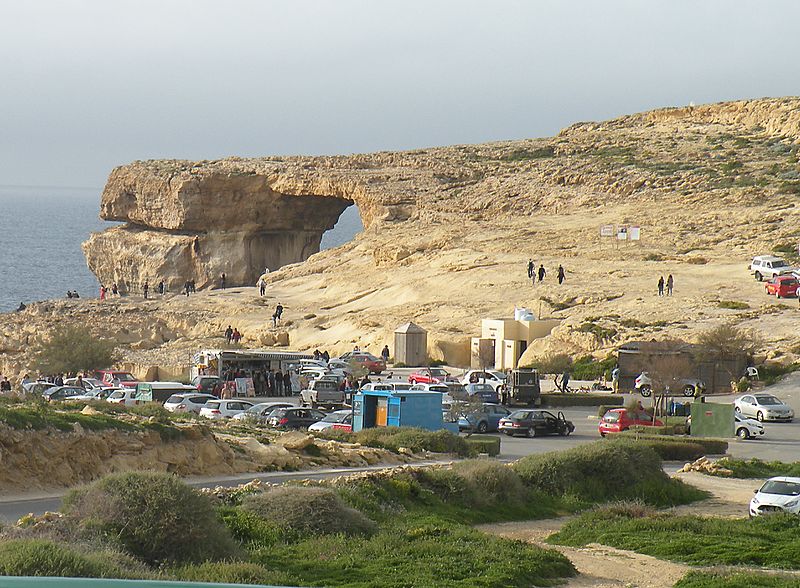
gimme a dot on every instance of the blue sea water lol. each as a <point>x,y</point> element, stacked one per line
<point>41,231</point>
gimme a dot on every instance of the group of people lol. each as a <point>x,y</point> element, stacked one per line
<point>266,382</point>
<point>232,335</point>
<point>669,284</point>
<point>539,274</point>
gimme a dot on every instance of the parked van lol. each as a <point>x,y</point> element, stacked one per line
<point>160,391</point>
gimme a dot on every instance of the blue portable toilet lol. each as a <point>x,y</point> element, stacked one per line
<point>397,408</point>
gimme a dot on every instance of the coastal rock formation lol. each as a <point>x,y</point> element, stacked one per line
<point>448,235</point>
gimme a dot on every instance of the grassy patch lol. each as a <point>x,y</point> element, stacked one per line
<point>733,305</point>
<point>736,580</point>
<point>772,541</point>
<point>597,330</point>
<point>770,373</point>
<point>528,154</point>
<point>43,416</point>
<point>755,468</point>
<point>393,438</point>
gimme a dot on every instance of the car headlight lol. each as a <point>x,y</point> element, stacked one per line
<point>754,501</point>
<point>792,503</point>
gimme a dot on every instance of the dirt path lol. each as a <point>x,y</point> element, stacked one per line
<point>600,566</point>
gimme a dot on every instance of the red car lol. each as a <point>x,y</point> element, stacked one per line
<point>431,376</point>
<point>375,365</point>
<point>116,378</point>
<point>782,286</point>
<point>617,420</point>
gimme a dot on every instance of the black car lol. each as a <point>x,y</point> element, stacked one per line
<point>535,422</point>
<point>294,418</point>
<point>62,393</point>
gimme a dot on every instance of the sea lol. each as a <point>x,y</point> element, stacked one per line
<point>41,231</point>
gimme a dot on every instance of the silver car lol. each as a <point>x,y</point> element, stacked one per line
<point>764,407</point>
<point>191,402</point>
<point>260,412</point>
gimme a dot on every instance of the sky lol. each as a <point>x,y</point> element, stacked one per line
<point>89,85</point>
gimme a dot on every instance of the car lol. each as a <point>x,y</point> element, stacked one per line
<point>188,402</point>
<point>433,375</point>
<point>294,418</point>
<point>493,377</point>
<point>116,378</point>
<point>338,364</point>
<point>259,413</point>
<point>533,423</point>
<point>764,407</point>
<point>617,420</point>
<point>486,392</point>
<point>224,409</point>
<point>768,266</point>
<point>37,388</point>
<point>338,417</point>
<point>323,392</point>
<point>444,389</point>
<point>743,427</point>
<point>375,365</point>
<point>88,383</point>
<point>126,397</point>
<point>386,386</point>
<point>483,419</point>
<point>62,393</point>
<point>779,494</point>
<point>98,394</point>
<point>687,386</point>
<point>205,384</point>
<point>782,287</point>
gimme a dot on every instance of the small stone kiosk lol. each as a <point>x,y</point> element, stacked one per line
<point>398,408</point>
<point>410,345</point>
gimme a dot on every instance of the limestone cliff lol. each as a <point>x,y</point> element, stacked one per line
<point>448,233</point>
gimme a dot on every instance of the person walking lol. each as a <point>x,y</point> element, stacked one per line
<point>229,334</point>
<point>385,354</point>
<point>161,287</point>
<point>262,286</point>
<point>115,289</point>
<point>670,284</point>
<point>530,269</point>
<point>146,288</point>
<point>542,273</point>
<point>615,380</point>
<point>565,382</point>
<point>186,287</point>
<point>222,280</point>
<point>102,292</point>
<point>661,286</point>
<point>561,274</point>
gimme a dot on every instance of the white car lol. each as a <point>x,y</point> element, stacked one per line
<point>191,402</point>
<point>769,266</point>
<point>687,386</point>
<point>764,407</point>
<point>97,394</point>
<point>780,494</point>
<point>126,397</point>
<point>224,409</point>
<point>747,428</point>
<point>259,413</point>
<point>89,383</point>
<point>493,377</point>
<point>337,417</point>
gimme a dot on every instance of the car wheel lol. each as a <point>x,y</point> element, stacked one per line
<point>760,416</point>
<point>736,409</point>
<point>483,427</point>
<point>688,390</point>
<point>602,434</point>
<point>743,433</point>
<point>759,277</point>
<point>531,432</point>
<point>646,391</point>
<point>564,432</point>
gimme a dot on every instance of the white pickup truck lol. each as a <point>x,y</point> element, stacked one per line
<point>769,266</point>
<point>323,392</point>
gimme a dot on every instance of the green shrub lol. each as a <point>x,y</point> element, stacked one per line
<point>492,481</point>
<point>232,573</point>
<point>393,438</point>
<point>156,517</point>
<point>36,557</point>
<point>602,471</point>
<point>308,510</point>
<point>588,368</point>
<point>733,304</point>
<point>554,400</point>
<point>73,349</point>
<point>488,445</point>
<point>710,446</point>
<point>755,468</point>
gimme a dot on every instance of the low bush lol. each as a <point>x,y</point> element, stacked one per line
<point>736,580</point>
<point>491,481</point>
<point>733,304</point>
<point>232,573</point>
<point>556,400</point>
<point>588,368</point>
<point>607,470</point>
<point>755,468</point>
<point>40,416</point>
<point>308,510</point>
<point>487,445</point>
<point>156,517</point>
<point>763,541</point>
<point>37,557</point>
<point>710,446</point>
<point>393,438</point>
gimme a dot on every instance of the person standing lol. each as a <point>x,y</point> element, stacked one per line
<point>530,269</point>
<point>385,354</point>
<point>661,286</point>
<point>186,287</point>
<point>565,382</point>
<point>161,287</point>
<point>102,292</point>
<point>222,280</point>
<point>115,289</point>
<point>670,284</point>
<point>262,286</point>
<point>561,274</point>
<point>615,380</point>
<point>271,382</point>
<point>542,273</point>
<point>287,383</point>
<point>229,334</point>
<point>146,288</point>
<point>279,382</point>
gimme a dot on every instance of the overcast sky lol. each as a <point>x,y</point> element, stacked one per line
<point>87,85</point>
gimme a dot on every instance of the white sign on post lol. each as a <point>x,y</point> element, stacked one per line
<point>606,230</point>
<point>634,233</point>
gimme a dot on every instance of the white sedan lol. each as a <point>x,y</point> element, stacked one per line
<point>259,413</point>
<point>492,377</point>
<point>764,407</point>
<point>780,494</point>
<point>224,409</point>
<point>338,417</point>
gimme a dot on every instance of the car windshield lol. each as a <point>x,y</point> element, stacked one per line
<point>124,377</point>
<point>789,282</point>
<point>335,417</point>
<point>174,399</point>
<point>438,372</point>
<point>213,404</point>
<point>781,487</point>
<point>768,400</point>
<point>611,417</point>
<point>119,394</point>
